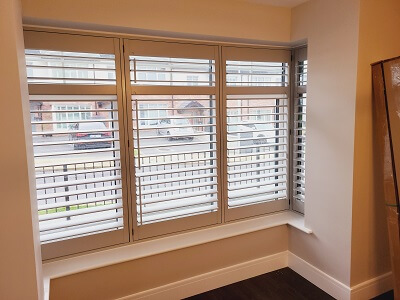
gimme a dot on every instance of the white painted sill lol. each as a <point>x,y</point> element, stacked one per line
<point>134,251</point>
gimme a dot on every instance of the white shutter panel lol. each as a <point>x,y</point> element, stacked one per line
<point>174,133</point>
<point>256,93</point>
<point>299,129</point>
<point>77,136</point>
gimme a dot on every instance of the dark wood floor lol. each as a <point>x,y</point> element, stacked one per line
<point>283,284</point>
<point>386,296</point>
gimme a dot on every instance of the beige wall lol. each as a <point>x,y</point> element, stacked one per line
<point>142,274</point>
<point>331,28</point>
<point>379,39</point>
<point>222,18</point>
<point>339,114</point>
<point>20,261</point>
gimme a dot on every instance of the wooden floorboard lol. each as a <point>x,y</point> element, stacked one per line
<point>386,296</point>
<point>282,284</point>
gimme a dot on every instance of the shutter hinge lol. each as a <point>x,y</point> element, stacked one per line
<point>290,132</point>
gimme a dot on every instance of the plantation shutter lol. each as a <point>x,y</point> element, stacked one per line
<point>77,132</point>
<point>256,138</point>
<point>299,128</point>
<point>173,119</point>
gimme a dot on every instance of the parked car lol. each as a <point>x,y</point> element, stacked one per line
<point>262,132</point>
<point>87,131</point>
<point>175,129</point>
<point>246,131</point>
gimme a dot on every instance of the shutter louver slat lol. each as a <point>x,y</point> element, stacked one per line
<point>248,194</point>
<point>90,210</point>
<point>81,231</point>
<point>176,196</point>
<point>260,199</point>
<point>182,212</point>
<point>88,200</point>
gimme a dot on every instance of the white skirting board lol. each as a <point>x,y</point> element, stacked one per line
<point>363,291</point>
<point>373,287</point>
<point>322,280</point>
<point>218,278</point>
<point>215,279</point>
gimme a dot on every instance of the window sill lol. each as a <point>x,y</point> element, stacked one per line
<point>129,252</point>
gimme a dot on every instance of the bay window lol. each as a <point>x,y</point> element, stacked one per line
<point>135,139</point>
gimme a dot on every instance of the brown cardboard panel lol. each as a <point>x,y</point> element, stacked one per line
<point>394,244</point>
<point>392,87</point>
<point>387,142</point>
<point>381,136</point>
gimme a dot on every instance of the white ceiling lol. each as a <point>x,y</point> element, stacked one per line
<point>284,3</point>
